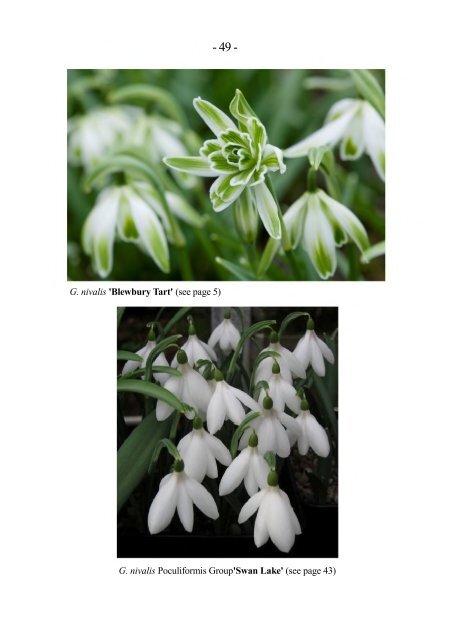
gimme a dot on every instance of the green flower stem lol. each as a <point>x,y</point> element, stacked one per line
<point>184,263</point>
<point>293,262</point>
<point>252,256</point>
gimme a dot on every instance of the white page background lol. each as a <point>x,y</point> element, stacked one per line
<point>58,455</point>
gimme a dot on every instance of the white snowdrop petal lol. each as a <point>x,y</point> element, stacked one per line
<point>234,410</point>
<point>282,439</point>
<point>303,440</point>
<point>184,443</point>
<point>234,474</point>
<point>184,507</point>
<point>293,516</point>
<point>302,351</point>
<point>317,436</point>
<point>289,396</point>
<point>218,449</point>
<point>245,399</point>
<point>163,506</point>
<point>293,364</point>
<point>279,522</point>
<point>233,334</point>
<point>325,350</point>
<point>250,506</point>
<point>175,386</point>
<point>215,335</point>
<point>202,498</point>
<point>212,469</point>
<point>261,533</point>
<point>216,411</point>
<point>161,361</point>
<point>131,365</point>
<point>317,359</point>
<point>195,458</point>
<point>250,482</point>
<point>197,390</point>
<point>266,435</point>
<point>260,469</point>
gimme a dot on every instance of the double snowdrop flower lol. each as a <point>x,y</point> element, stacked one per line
<point>227,404</point>
<point>178,490</point>
<point>144,352</point>
<point>321,223</point>
<point>288,363</point>
<point>271,431</point>
<point>275,518</point>
<point>239,157</point>
<point>190,387</point>
<point>133,213</point>
<point>359,128</point>
<point>311,350</point>
<point>225,334</point>
<point>200,451</point>
<point>249,466</point>
<point>95,134</point>
<point>280,391</point>
<point>309,433</point>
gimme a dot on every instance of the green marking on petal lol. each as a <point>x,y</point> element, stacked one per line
<point>268,210</point>
<point>350,147</point>
<point>237,138</point>
<point>209,146</point>
<point>240,108</point>
<point>128,228</point>
<point>222,164</point>
<point>195,165</point>
<point>258,134</point>
<point>103,255</point>
<point>323,260</point>
<point>214,118</point>
<point>273,158</point>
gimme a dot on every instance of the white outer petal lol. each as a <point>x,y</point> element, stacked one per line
<point>185,507</point>
<point>251,506</point>
<point>201,498</point>
<point>216,411</point>
<point>163,506</point>
<point>235,473</point>
<point>317,436</point>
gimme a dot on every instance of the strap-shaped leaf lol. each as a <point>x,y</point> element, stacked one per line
<point>128,355</point>
<point>151,94</point>
<point>151,390</point>
<point>135,453</point>
<point>268,255</point>
<point>174,320</point>
<point>238,272</point>
<point>243,426</point>
<point>289,318</point>
<point>258,326</point>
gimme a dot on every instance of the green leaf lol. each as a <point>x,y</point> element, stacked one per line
<point>128,385</point>
<point>270,251</point>
<point>368,87</point>
<point>174,320</point>
<point>123,163</point>
<point>169,370</point>
<point>155,95</point>
<point>255,328</point>
<point>159,348</point>
<point>241,430</point>
<point>135,453</point>
<point>119,314</point>
<point>238,272</point>
<point>128,355</point>
<point>289,318</point>
<point>375,251</point>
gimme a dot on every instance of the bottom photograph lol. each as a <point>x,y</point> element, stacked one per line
<point>227,432</point>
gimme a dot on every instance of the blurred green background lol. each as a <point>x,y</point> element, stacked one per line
<point>291,104</point>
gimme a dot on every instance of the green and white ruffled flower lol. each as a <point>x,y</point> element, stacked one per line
<point>132,213</point>
<point>321,223</point>
<point>359,128</point>
<point>239,158</point>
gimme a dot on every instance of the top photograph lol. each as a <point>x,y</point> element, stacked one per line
<point>231,174</point>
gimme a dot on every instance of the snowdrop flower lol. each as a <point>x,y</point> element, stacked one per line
<point>200,450</point>
<point>275,517</point>
<point>289,365</point>
<point>144,352</point>
<point>93,135</point>
<point>309,433</point>
<point>196,349</point>
<point>270,429</point>
<point>281,392</point>
<point>239,158</point>
<point>179,491</point>
<point>226,404</point>
<point>131,213</point>
<point>225,334</point>
<point>360,128</point>
<point>321,223</point>
<point>190,388</point>
<point>310,350</point>
<point>249,466</point>
<point>160,137</point>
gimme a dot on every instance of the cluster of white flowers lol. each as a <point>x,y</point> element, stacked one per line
<point>275,422</point>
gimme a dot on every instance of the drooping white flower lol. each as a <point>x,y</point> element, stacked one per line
<point>249,466</point>
<point>227,404</point>
<point>144,352</point>
<point>225,334</point>
<point>177,490</point>
<point>289,365</point>
<point>239,158</point>
<point>200,450</point>
<point>360,128</point>
<point>196,349</point>
<point>270,428</point>
<point>190,387</point>
<point>128,212</point>
<point>309,433</point>
<point>95,134</point>
<point>280,391</point>
<point>311,350</point>
<point>321,223</point>
<point>275,518</point>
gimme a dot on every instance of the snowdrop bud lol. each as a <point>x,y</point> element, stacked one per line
<point>178,466</point>
<point>267,403</point>
<point>182,357</point>
<point>276,368</point>
<point>272,479</point>
<point>253,440</point>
